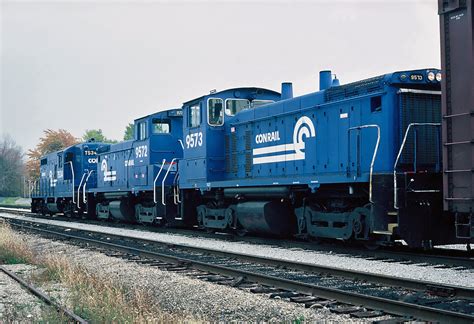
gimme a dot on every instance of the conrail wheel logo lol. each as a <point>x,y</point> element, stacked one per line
<point>304,128</point>
<point>109,175</point>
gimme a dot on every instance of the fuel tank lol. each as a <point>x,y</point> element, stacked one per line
<point>121,210</point>
<point>266,217</point>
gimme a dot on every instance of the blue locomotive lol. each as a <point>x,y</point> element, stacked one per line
<point>65,178</point>
<point>357,161</point>
<point>134,176</point>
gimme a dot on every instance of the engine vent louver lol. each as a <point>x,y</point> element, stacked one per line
<point>248,153</point>
<point>354,89</point>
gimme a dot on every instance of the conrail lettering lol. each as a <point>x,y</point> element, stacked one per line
<point>267,137</point>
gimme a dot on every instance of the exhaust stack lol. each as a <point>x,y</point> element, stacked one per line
<point>325,80</point>
<point>286,90</point>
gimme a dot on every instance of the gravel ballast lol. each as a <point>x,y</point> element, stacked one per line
<point>417,272</point>
<point>16,303</point>
<point>189,297</point>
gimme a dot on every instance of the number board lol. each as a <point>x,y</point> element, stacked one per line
<point>416,77</point>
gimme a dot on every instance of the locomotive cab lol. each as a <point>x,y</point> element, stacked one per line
<point>206,123</point>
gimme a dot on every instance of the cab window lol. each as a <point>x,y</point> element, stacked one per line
<point>160,126</point>
<point>215,112</point>
<point>142,133</point>
<point>233,106</point>
<point>194,116</point>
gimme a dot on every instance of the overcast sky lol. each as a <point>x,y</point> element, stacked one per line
<point>83,65</point>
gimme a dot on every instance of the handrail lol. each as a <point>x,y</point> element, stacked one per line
<point>79,190</point>
<point>395,194</point>
<point>175,200</point>
<point>373,156</point>
<point>156,178</point>
<point>73,182</point>
<point>33,187</point>
<point>84,200</point>
<point>163,182</point>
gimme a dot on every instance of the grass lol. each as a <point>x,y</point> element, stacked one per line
<point>11,201</point>
<point>13,249</point>
<point>91,296</point>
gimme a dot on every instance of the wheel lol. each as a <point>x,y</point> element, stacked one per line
<point>371,245</point>
<point>241,232</point>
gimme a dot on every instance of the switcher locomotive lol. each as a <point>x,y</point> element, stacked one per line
<point>357,161</point>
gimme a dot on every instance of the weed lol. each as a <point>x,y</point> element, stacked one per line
<point>93,297</point>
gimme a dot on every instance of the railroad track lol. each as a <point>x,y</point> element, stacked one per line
<point>443,258</point>
<point>45,298</point>
<point>341,290</point>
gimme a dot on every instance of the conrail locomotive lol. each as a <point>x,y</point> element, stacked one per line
<point>373,161</point>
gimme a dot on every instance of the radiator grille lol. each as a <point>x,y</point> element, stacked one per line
<point>420,108</point>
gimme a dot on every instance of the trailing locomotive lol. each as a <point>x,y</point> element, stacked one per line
<point>358,161</point>
<point>65,178</point>
<point>135,176</point>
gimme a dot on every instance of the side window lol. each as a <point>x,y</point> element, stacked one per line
<point>233,106</point>
<point>60,161</point>
<point>160,126</point>
<point>376,103</point>
<point>142,133</point>
<point>194,116</point>
<point>69,157</point>
<point>215,112</point>
<point>44,161</point>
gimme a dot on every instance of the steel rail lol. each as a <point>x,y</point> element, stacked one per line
<point>413,257</point>
<point>420,285</point>
<point>431,258</point>
<point>388,305</point>
<point>45,298</point>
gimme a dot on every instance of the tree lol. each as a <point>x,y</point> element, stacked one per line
<point>128,135</point>
<point>51,141</point>
<point>97,135</point>
<point>11,167</point>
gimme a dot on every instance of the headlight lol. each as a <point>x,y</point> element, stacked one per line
<point>431,76</point>
<point>438,77</point>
